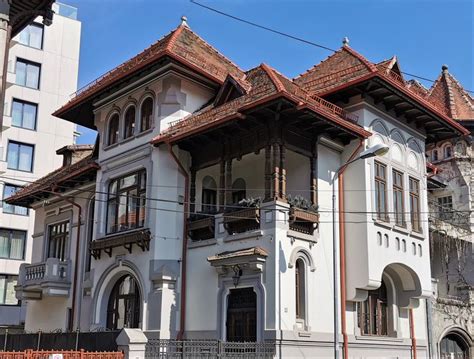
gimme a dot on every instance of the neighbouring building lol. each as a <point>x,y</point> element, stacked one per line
<point>211,216</point>
<point>42,73</point>
<point>451,202</point>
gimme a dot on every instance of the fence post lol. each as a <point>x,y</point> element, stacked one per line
<point>39,340</point>
<point>5,341</point>
<point>219,348</point>
<point>132,342</point>
<point>82,353</point>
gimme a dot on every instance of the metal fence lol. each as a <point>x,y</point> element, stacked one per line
<point>89,341</point>
<point>207,349</point>
<point>68,354</point>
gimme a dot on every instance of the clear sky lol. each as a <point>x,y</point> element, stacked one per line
<point>424,34</point>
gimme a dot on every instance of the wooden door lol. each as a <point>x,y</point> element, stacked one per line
<point>242,315</point>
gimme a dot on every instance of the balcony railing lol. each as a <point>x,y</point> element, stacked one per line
<point>448,215</point>
<point>47,277</point>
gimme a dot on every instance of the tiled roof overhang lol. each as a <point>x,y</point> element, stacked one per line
<point>23,12</point>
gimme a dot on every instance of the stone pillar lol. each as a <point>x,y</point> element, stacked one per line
<point>132,342</point>
<point>282,172</point>
<point>228,182</point>
<point>221,185</point>
<point>268,172</point>
<point>5,32</point>
<point>313,185</point>
<point>276,171</point>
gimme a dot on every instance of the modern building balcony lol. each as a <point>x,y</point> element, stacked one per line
<point>3,162</point>
<point>6,122</point>
<point>49,278</point>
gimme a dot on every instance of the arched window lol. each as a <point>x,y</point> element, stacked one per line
<point>373,318</point>
<point>461,149</point>
<point>452,346</point>
<point>209,195</point>
<point>146,114</point>
<point>123,310</point>
<point>129,127</point>
<point>113,129</point>
<point>300,289</point>
<point>448,152</point>
<point>238,190</point>
<point>434,155</point>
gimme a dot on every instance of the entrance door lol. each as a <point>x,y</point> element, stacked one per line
<point>242,315</point>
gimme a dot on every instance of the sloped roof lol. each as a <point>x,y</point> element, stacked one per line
<point>457,102</point>
<point>417,87</point>
<point>55,178</point>
<point>182,45</point>
<point>266,84</point>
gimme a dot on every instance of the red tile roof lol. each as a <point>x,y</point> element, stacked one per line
<point>182,45</point>
<point>266,84</point>
<point>55,178</point>
<point>457,102</point>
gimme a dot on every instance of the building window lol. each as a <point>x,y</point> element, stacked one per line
<point>146,114</point>
<point>415,204</point>
<point>209,195</point>
<point>373,318</point>
<point>8,191</point>
<point>90,232</point>
<point>123,310</point>
<point>7,289</point>
<point>113,133</point>
<point>126,202</point>
<point>20,156</point>
<point>448,152</point>
<point>434,155</point>
<point>445,207</point>
<point>238,190</point>
<point>27,73</point>
<point>24,114</point>
<point>58,235</point>
<point>381,190</point>
<point>32,36</point>
<point>453,346</point>
<point>12,244</point>
<point>398,205</point>
<point>129,127</point>
<point>300,288</point>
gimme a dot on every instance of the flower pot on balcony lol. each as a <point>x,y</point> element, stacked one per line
<point>200,229</point>
<point>303,221</point>
<point>242,220</point>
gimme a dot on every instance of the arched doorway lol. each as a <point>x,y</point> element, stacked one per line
<point>242,315</point>
<point>453,346</point>
<point>123,309</point>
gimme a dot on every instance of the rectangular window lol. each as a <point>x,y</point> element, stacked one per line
<point>381,190</point>
<point>398,205</point>
<point>126,202</point>
<point>20,156</point>
<point>24,114</point>
<point>415,204</point>
<point>32,35</point>
<point>12,244</point>
<point>58,235</point>
<point>9,190</point>
<point>27,73</point>
<point>445,207</point>
<point>7,289</point>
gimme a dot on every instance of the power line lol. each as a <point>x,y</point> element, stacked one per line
<point>293,37</point>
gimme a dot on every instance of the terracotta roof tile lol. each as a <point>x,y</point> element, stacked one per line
<point>457,102</point>
<point>417,87</point>
<point>183,45</point>
<point>54,178</point>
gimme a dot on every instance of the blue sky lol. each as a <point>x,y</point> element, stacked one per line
<point>424,34</point>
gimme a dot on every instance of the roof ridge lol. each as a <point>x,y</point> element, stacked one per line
<point>276,81</point>
<point>467,95</point>
<point>174,35</point>
<point>361,58</point>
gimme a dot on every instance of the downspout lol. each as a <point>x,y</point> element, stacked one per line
<point>182,317</point>
<point>412,334</point>
<point>76,259</point>
<point>342,251</point>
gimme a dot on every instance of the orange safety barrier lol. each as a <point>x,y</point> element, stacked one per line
<point>66,354</point>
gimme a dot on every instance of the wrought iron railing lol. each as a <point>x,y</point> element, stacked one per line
<point>207,349</point>
<point>446,214</point>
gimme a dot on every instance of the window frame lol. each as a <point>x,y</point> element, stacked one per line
<point>114,116</point>
<point>32,155</point>
<point>398,189</point>
<point>151,116</point>
<point>141,190</point>
<point>63,238</point>
<point>5,185</point>
<point>129,131</point>
<point>33,24</point>
<point>415,197</point>
<point>378,181</point>
<point>23,103</point>
<point>113,304</point>
<point>4,294</point>
<point>377,307</point>
<point>10,237</point>
<point>300,289</point>
<point>28,63</point>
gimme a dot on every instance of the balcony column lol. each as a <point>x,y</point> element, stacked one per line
<point>313,185</point>
<point>221,184</point>
<point>192,192</point>
<point>282,172</point>
<point>228,183</point>
<point>268,172</point>
<point>276,171</point>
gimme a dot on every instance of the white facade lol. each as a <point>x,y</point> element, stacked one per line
<point>56,52</point>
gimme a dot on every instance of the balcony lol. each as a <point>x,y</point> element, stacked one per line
<point>49,278</point>
<point>6,122</point>
<point>3,163</point>
<point>442,218</point>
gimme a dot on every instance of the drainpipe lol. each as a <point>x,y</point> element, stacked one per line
<point>182,318</point>
<point>342,251</point>
<point>76,259</point>
<point>412,334</point>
